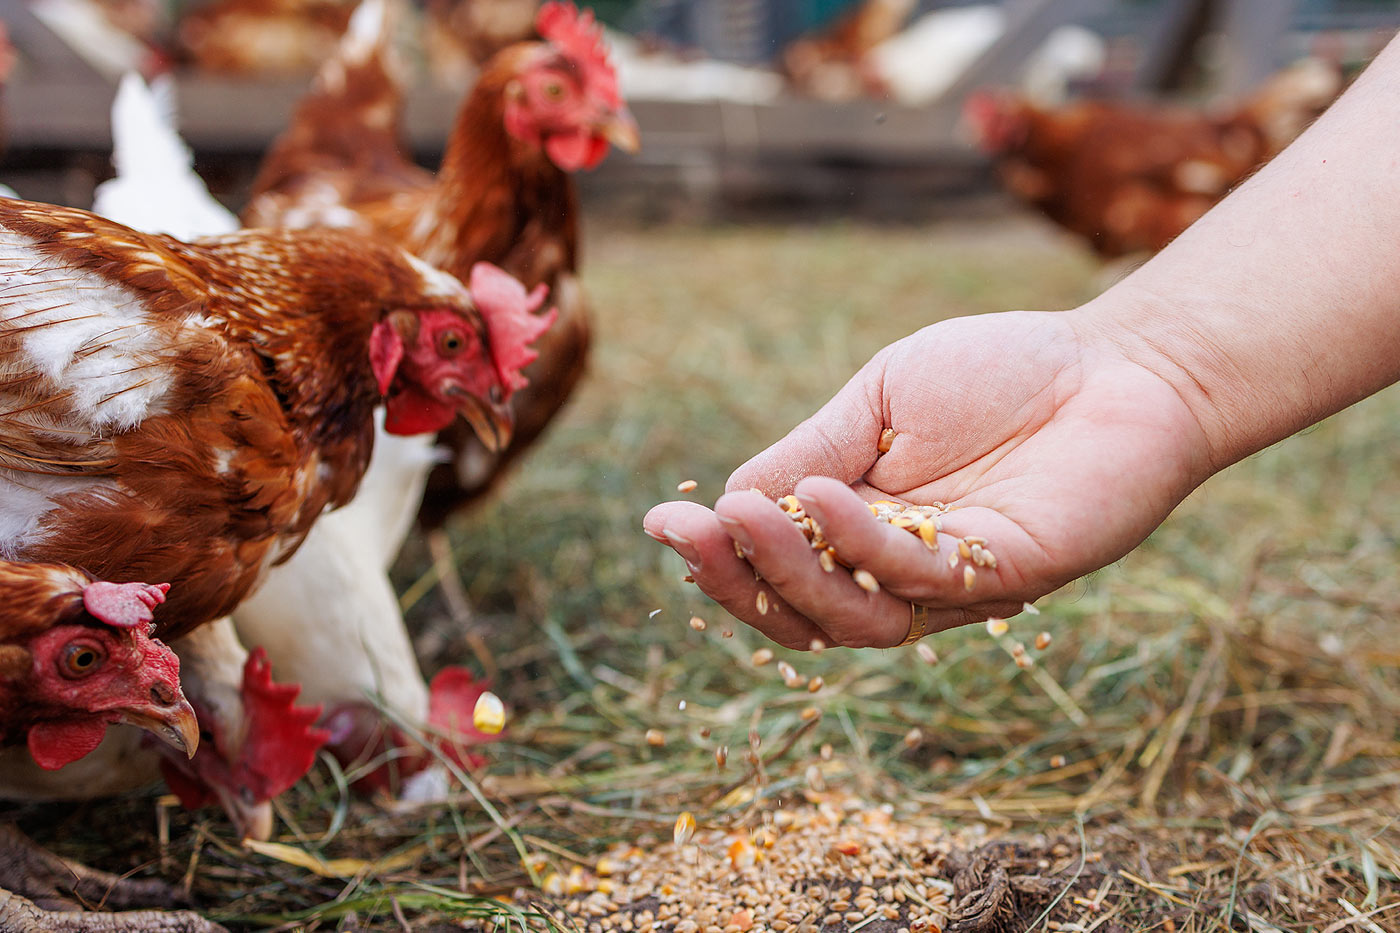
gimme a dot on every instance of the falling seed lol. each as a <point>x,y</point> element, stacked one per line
<point>688,578</point>
<point>656,738</point>
<point>1025,662</point>
<point>913,738</point>
<point>1042,641</point>
<point>697,623</point>
<point>969,578</point>
<point>791,679</point>
<point>760,602</point>
<point>887,437</point>
<point>489,714</point>
<point>817,646</point>
<point>761,657</point>
<point>826,751</point>
<point>726,633</point>
<point>704,732</point>
<point>1057,761</point>
<point>926,653</point>
<point>866,581</point>
<point>1017,649</point>
<point>755,740</point>
<point>815,684</point>
<point>721,755</point>
<point>997,627</point>
<point>684,829</point>
<point>681,706</point>
<point>1030,608</point>
<point>686,485</point>
<point>809,713</point>
<point>654,613</point>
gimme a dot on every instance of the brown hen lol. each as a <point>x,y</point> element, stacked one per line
<point>1129,177</point>
<point>539,111</point>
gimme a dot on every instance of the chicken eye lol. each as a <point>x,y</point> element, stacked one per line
<point>553,89</point>
<point>81,659</point>
<point>451,342</point>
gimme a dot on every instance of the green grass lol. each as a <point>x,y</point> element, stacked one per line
<point>1230,695</point>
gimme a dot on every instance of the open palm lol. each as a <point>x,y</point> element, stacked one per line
<point>1053,445</point>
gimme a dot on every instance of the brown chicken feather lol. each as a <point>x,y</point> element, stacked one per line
<point>497,197</point>
<point>184,412</point>
<point>1130,177</point>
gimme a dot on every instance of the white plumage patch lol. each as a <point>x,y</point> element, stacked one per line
<point>99,361</point>
<point>91,340</point>
<point>436,283</point>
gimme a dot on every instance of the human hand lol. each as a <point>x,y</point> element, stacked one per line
<point>1053,444</point>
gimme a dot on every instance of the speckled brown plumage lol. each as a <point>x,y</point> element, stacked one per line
<point>36,596</point>
<point>260,342</point>
<point>495,199</point>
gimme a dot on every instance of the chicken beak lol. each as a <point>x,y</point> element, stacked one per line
<point>620,129</point>
<point>176,724</point>
<point>493,423</point>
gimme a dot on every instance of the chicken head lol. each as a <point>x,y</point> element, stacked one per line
<point>432,365</point>
<point>83,678</point>
<point>566,97</point>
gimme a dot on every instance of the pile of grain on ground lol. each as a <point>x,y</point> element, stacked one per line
<point>834,865</point>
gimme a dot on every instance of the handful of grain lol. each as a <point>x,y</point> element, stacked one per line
<point>922,521</point>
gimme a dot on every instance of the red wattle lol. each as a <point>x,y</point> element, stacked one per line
<point>54,745</point>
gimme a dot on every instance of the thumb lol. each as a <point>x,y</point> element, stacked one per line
<point>839,441</point>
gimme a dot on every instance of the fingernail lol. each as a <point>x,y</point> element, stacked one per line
<point>738,532</point>
<point>685,548</point>
<point>655,535</point>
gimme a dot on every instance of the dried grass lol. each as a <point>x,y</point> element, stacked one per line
<point>1220,711</point>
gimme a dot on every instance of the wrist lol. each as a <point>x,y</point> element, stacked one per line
<point>1147,332</point>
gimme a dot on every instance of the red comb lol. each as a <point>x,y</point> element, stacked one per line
<point>510,319</point>
<point>578,37</point>
<point>282,741</point>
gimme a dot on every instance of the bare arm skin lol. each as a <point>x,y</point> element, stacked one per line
<point>1065,438</point>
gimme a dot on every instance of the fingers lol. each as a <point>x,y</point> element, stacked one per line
<point>840,440</point>
<point>778,550</point>
<point>695,533</point>
<point>803,601</point>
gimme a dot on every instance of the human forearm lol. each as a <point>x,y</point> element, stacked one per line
<point>1281,305</point>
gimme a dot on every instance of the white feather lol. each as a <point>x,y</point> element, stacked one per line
<point>156,188</point>
<point>329,617</point>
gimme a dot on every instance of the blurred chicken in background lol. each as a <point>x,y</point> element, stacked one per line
<point>834,64</point>
<point>262,37</point>
<point>459,36</point>
<point>1129,177</point>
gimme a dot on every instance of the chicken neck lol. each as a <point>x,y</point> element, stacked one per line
<point>490,189</point>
